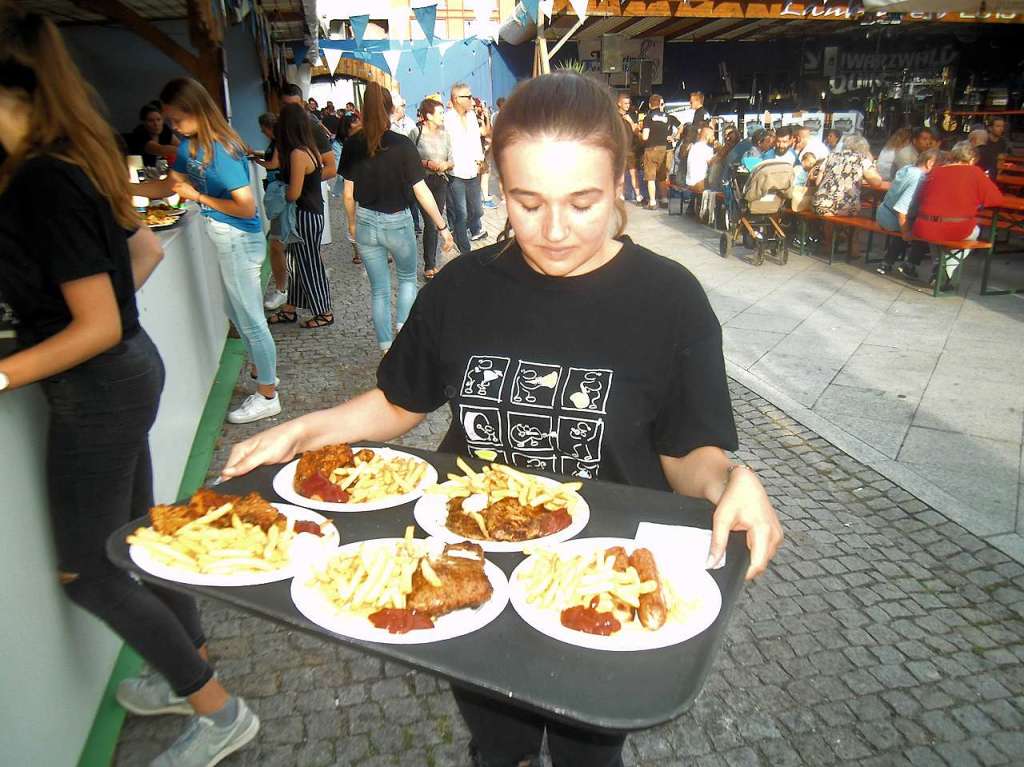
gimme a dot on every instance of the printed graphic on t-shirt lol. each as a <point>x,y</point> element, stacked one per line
<point>576,468</point>
<point>197,175</point>
<point>580,438</point>
<point>535,384</point>
<point>527,431</point>
<point>484,377</point>
<point>534,462</point>
<point>586,390</point>
<point>548,417</point>
<point>481,425</point>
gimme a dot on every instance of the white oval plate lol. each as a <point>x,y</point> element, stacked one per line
<point>431,512</point>
<point>304,548</point>
<point>284,486</point>
<point>317,608</point>
<point>689,582</point>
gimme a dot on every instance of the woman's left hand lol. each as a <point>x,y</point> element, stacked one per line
<point>744,505</point>
<point>185,190</point>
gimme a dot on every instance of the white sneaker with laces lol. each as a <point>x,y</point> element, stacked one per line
<point>275,299</point>
<point>204,744</point>
<point>150,696</point>
<point>255,407</point>
<point>481,235</point>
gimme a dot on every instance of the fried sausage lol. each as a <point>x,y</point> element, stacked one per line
<point>652,613</point>
<point>621,559</point>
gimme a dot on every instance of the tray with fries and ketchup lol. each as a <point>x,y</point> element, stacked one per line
<point>607,628</point>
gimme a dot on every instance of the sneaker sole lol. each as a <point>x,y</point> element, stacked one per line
<point>253,419</point>
<point>244,740</point>
<point>172,708</point>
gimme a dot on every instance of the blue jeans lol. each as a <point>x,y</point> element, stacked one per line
<point>378,236</point>
<point>241,255</point>
<point>465,209</point>
<point>338,187</point>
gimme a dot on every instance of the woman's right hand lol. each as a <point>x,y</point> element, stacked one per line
<point>276,445</point>
<point>447,241</point>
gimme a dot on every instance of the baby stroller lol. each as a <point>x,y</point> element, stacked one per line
<point>756,196</point>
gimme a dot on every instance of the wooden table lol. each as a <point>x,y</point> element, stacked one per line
<point>1012,209</point>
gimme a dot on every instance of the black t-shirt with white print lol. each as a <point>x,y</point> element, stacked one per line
<point>593,376</point>
<point>659,126</point>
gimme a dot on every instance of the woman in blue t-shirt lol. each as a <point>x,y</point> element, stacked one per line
<point>212,169</point>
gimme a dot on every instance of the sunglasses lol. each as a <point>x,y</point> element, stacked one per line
<point>467,96</point>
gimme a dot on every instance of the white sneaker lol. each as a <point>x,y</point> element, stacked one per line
<point>481,235</point>
<point>254,407</point>
<point>204,744</point>
<point>150,696</point>
<point>275,299</point>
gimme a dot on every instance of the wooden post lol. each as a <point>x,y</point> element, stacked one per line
<point>206,32</point>
<point>541,60</point>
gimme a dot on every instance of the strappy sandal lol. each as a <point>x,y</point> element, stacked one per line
<point>281,317</point>
<point>356,260</point>
<point>319,321</point>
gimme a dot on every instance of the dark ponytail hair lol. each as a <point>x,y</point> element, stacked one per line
<point>569,107</point>
<point>293,131</point>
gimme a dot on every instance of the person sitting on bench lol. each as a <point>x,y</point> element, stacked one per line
<point>895,212</point>
<point>949,201</point>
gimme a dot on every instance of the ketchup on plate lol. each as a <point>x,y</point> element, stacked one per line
<point>400,621</point>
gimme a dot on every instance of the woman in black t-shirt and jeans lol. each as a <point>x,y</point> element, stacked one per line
<point>308,286</point>
<point>381,170</point>
<point>628,338</point>
<point>72,254</point>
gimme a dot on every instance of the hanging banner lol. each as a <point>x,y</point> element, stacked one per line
<point>426,15</point>
<point>359,26</point>
<point>392,58</point>
<point>442,48</point>
<point>331,58</point>
<point>482,9</point>
<point>419,54</point>
<point>547,7</point>
<point>532,8</point>
<point>579,7</point>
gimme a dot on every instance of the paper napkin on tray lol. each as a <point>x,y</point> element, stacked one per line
<point>685,546</point>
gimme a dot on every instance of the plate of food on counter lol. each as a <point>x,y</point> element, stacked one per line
<point>227,540</point>
<point>160,217</point>
<point>352,478</point>
<point>401,590</point>
<point>610,594</point>
<point>502,509</point>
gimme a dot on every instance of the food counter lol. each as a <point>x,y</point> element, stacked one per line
<point>51,647</point>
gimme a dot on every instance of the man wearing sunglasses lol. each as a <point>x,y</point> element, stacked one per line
<point>465,204</point>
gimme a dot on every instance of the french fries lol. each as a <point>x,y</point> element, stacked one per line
<point>557,582</point>
<point>498,482</point>
<point>374,577</point>
<point>197,547</point>
<point>379,477</point>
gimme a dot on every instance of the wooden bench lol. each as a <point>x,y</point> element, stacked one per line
<point>870,225</point>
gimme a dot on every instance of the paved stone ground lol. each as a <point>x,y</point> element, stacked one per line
<point>883,634</point>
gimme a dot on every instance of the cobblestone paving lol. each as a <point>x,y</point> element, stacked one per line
<point>882,635</point>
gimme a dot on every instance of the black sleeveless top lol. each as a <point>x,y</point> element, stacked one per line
<point>310,198</point>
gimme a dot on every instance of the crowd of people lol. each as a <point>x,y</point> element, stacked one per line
<point>702,156</point>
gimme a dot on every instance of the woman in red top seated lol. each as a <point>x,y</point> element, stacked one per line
<point>950,196</point>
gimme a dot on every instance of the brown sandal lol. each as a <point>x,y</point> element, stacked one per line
<point>281,317</point>
<point>318,321</point>
<point>356,260</point>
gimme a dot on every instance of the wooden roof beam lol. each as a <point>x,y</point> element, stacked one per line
<point>131,20</point>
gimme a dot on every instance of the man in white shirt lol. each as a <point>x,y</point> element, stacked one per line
<point>400,121</point>
<point>698,159</point>
<point>807,142</point>
<point>465,203</point>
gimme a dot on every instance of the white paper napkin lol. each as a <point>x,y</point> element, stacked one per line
<point>687,546</point>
